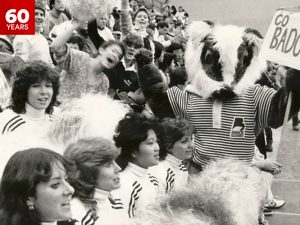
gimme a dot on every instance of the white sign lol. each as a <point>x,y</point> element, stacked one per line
<point>282,41</point>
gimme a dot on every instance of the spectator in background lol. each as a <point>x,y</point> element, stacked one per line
<point>103,30</point>
<point>55,16</point>
<point>123,75</point>
<point>177,49</point>
<point>34,47</point>
<point>85,73</point>
<point>163,29</point>
<point>76,42</point>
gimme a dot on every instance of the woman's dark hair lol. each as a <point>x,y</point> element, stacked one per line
<point>84,157</point>
<point>22,173</point>
<point>130,132</point>
<point>173,129</point>
<point>76,39</point>
<point>30,73</point>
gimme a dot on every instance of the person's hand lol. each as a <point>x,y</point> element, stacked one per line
<point>89,218</point>
<point>270,166</point>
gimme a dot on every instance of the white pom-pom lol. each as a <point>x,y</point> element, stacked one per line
<point>86,10</point>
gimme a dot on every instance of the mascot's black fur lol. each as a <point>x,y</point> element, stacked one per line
<point>225,106</point>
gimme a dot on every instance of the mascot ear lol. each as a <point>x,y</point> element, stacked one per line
<point>254,39</point>
<point>198,30</point>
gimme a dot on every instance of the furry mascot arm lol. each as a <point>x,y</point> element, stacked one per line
<point>279,100</point>
<point>152,84</point>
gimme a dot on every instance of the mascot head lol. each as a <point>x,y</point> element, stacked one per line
<point>222,61</point>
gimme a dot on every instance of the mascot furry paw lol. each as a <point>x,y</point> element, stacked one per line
<point>222,101</point>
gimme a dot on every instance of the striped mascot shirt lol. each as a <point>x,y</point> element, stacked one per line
<point>171,174</point>
<point>139,190</point>
<point>241,119</point>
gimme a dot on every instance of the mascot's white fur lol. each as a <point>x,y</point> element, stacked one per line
<point>227,192</point>
<point>88,116</point>
<point>224,41</point>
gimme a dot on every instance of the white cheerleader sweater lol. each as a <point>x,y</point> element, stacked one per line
<point>139,189</point>
<point>171,174</point>
<point>33,122</point>
<point>109,211</point>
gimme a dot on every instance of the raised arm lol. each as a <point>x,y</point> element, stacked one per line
<point>60,41</point>
<point>125,18</point>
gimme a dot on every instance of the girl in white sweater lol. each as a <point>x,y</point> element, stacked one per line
<point>175,146</point>
<point>94,174</point>
<point>139,150</point>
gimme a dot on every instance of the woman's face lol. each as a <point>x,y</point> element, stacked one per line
<point>108,176</point>
<point>182,149</point>
<point>52,200</point>
<point>39,19</point>
<point>148,151</point>
<point>141,19</point>
<point>40,94</point>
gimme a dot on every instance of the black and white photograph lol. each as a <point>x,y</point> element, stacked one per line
<point>149,112</point>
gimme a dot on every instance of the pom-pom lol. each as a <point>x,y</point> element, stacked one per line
<point>86,10</point>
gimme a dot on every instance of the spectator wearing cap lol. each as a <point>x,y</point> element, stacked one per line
<point>34,47</point>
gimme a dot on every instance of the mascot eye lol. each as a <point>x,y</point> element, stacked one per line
<point>209,58</point>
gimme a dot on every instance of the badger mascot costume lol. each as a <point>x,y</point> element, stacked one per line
<point>221,100</point>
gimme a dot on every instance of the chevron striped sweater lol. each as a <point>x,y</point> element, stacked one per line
<point>138,191</point>
<point>32,122</point>
<point>171,174</point>
<point>109,210</point>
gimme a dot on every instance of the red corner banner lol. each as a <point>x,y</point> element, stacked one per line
<point>17,17</point>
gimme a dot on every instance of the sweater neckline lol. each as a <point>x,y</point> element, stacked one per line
<point>173,160</point>
<point>33,113</point>
<point>137,170</point>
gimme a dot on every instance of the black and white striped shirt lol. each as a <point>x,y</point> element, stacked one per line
<point>241,119</point>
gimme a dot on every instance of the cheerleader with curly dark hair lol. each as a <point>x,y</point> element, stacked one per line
<point>33,96</point>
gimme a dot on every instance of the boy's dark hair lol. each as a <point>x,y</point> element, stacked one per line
<point>162,24</point>
<point>115,42</point>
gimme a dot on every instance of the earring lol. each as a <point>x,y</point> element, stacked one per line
<point>30,205</point>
